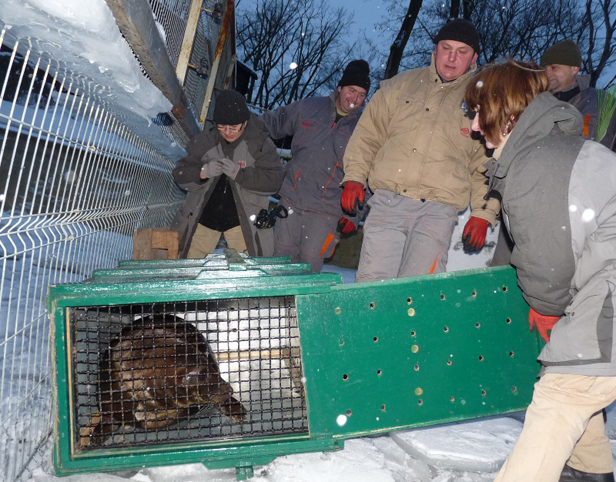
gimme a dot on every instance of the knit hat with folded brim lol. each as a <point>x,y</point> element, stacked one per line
<point>565,52</point>
<point>230,108</point>
<point>460,30</point>
<point>357,72</point>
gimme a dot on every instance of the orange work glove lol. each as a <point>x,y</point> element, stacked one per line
<point>352,197</point>
<point>541,323</point>
<point>345,226</point>
<point>474,236</point>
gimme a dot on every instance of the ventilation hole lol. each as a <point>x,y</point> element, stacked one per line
<point>349,413</point>
<point>413,333</point>
<point>505,288</point>
<point>480,357</point>
<point>474,293</point>
<point>409,300</point>
<point>442,297</point>
<point>483,393</point>
<point>452,399</point>
<point>345,377</point>
<point>420,402</point>
<point>449,362</point>
<point>514,389</point>
<point>508,321</point>
<point>375,339</point>
<point>416,367</point>
<point>446,329</point>
<point>511,353</point>
<point>477,325</point>
<point>372,305</point>
<point>379,372</point>
<point>382,408</point>
<point>341,342</point>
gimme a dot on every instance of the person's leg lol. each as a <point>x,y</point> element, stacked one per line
<point>427,246</point>
<point>287,235</point>
<point>235,239</point>
<point>319,239</point>
<point>385,233</point>
<point>203,242</point>
<point>593,452</point>
<point>557,417</point>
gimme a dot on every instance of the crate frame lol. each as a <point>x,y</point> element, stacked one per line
<point>362,376</point>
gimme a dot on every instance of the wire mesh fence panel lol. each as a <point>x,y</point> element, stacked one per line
<point>75,183</point>
<point>146,374</point>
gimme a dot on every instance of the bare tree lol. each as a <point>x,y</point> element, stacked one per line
<point>397,47</point>
<point>516,28</point>
<point>273,34</point>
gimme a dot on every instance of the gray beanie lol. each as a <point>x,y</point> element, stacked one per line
<point>565,52</point>
<point>230,108</point>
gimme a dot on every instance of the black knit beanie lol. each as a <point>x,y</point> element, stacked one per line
<point>230,108</point>
<point>460,30</point>
<point>357,72</point>
<point>565,52</point>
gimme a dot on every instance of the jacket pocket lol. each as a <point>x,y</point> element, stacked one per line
<point>584,334</point>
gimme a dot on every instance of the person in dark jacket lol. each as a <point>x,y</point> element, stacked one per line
<point>230,171</point>
<point>559,204</point>
<point>321,128</point>
<point>563,62</point>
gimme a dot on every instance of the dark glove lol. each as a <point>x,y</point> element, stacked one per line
<point>541,323</point>
<point>474,236</point>
<point>345,226</point>
<point>352,197</point>
<point>212,169</point>
<point>230,168</point>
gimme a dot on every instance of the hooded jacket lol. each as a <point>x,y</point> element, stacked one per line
<point>260,175</point>
<point>414,139</point>
<point>559,203</point>
<point>312,182</point>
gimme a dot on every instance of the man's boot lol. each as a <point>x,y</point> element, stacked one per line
<point>570,474</point>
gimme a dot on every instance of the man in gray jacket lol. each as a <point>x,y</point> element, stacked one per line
<point>562,62</point>
<point>321,128</point>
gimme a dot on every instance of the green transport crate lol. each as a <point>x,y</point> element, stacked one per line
<point>257,357</point>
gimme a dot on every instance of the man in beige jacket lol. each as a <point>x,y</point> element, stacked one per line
<point>413,148</point>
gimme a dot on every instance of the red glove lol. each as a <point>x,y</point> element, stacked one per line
<point>474,236</point>
<point>352,196</point>
<point>345,226</point>
<point>541,323</point>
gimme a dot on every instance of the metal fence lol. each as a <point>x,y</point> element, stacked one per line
<point>76,180</point>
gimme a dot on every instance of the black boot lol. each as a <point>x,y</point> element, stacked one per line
<point>570,474</point>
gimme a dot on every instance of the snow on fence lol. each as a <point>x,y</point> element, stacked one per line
<point>80,171</point>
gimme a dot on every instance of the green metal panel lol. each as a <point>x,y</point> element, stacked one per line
<point>376,356</point>
<point>417,351</point>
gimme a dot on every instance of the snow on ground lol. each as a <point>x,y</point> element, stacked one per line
<point>458,452</point>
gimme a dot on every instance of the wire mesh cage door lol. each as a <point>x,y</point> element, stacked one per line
<point>211,370</point>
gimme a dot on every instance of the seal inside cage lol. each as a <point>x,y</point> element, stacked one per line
<point>164,372</point>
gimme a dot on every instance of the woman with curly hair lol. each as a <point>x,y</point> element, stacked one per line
<point>558,195</point>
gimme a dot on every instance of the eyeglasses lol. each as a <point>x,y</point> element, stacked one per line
<point>235,128</point>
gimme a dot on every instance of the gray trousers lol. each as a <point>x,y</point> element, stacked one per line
<point>306,236</point>
<point>404,237</point>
